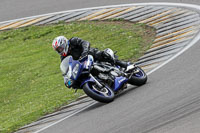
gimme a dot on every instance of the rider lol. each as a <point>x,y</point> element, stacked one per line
<point>79,48</point>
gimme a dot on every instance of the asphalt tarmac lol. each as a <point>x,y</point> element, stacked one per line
<point>14,9</point>
<point>169,102</point>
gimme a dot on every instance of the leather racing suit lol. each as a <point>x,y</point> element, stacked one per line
<point>80,48</point>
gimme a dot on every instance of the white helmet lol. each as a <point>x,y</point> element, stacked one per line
<point>61,45</point>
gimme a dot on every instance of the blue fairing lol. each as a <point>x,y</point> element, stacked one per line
<point>72,63</point>
<point>72,69</point>
<point>87,62</point>
<point>87,80</point>
<point>119,81</point>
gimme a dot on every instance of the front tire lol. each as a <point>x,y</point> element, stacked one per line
<point>139,77</point>
<point>104,95</point>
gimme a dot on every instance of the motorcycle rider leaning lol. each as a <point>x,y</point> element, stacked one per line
<point>79,48</point>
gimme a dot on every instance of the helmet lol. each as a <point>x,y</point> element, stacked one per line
<point>61,45</point>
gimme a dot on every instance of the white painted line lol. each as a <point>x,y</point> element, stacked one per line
<point>66,117</point>
<point>113,6</point>
<point>194,41</point>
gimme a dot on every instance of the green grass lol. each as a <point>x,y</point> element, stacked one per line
<point>31,84</point>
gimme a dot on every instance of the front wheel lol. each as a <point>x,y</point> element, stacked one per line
<point>138,78</point>
<point>104,95</point>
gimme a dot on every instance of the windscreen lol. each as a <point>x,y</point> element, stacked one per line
<point>64,66</point>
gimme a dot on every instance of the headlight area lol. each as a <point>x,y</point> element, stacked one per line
<point>71,76</point>
<point>68,82</point>
<point>75,71</point>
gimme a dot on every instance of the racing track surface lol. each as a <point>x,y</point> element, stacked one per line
<point>169,102</point>
<point>13,9</point>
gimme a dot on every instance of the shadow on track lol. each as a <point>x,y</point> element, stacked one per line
<point>123,93</point>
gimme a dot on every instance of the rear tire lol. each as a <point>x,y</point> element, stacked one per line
<point>105,95</point>
<point>139,78</point>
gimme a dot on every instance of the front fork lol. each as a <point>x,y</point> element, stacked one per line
<point>101,89</point>
<point>134,71</point>
<point>97,82</point>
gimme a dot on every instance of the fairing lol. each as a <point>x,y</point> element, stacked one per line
<point>119,81</point>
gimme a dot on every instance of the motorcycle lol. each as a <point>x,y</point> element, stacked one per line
<point>100,80</point>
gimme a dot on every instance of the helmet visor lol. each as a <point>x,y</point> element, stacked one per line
<point>60,49</point>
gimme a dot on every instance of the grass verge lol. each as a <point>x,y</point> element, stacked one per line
<point>31,84</point>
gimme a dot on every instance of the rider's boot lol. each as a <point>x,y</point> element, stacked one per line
<point>122,64</point>
<point>126,65</point>
<point>130,67</point>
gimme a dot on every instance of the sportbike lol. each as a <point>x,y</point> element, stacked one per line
<point>100,80</point>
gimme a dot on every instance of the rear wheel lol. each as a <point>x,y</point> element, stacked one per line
<point>104,94</point>
<point>138,78</point>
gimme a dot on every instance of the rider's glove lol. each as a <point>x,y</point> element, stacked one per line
<point>83,55</point>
